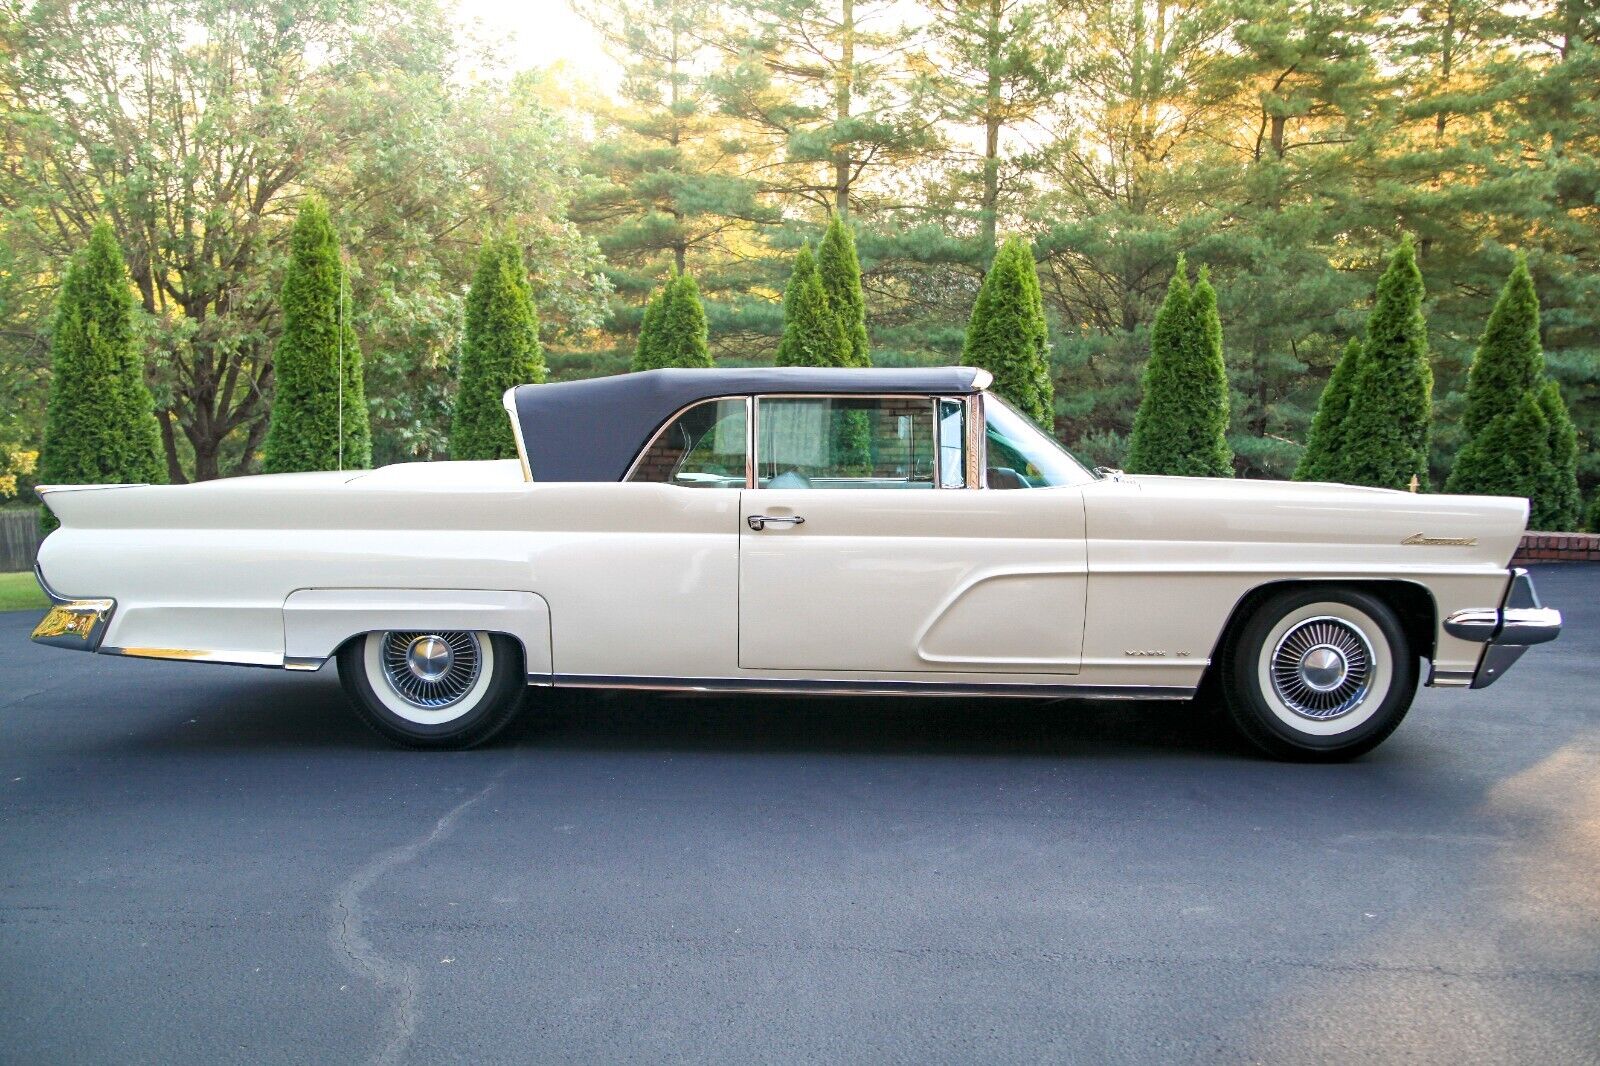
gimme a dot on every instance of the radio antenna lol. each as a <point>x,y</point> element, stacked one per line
<point>338,320</point>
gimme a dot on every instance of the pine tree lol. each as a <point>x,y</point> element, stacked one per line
<point>1558,504</point>
<point>1510,457</point>
<point>647,355</point>
<point>100,425</point>
<point>1385,439</point>
<point>998,65</point>
<point>683,325</point>
<point>841,280</point>
<point>1320,461</point>
<point>1592,520</point>
<point>812,335</point>
<point>499,351</point>
<point>1509,360</point>
<point>1008,336</point>
<point>310,405</point>
<point>1182,423</point>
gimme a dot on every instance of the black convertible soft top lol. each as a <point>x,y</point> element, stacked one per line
<point>592,430</point>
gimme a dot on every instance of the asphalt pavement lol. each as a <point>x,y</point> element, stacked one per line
<point>205,864</point>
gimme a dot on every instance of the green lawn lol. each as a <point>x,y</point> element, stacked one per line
<point>20,592</point>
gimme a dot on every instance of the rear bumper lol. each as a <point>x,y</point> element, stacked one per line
<point>76,624</point>
<point>1520,622</point>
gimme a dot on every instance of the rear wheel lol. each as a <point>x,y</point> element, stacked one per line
<point>1319,674</point>
<point>445,689</point>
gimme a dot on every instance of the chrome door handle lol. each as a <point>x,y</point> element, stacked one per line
<point>758,522</point>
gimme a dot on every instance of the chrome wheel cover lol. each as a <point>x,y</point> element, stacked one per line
<point>1322,668</point>
<point>431,671</point>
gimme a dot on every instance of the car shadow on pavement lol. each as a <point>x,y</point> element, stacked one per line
<point>626,721</point>
<point>258,711</point>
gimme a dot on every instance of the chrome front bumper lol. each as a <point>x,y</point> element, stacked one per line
<point>1519,623</point>
<point>76,624</point>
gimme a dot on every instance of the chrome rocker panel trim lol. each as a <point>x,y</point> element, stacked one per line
<point>1519,623</point>
<point>852,687</point>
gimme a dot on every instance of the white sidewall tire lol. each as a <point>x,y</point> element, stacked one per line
<point>1383,672</point>
<point>1262,717</point>
<point>372,661</point>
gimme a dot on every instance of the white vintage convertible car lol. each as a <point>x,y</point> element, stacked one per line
<point>802,531</point>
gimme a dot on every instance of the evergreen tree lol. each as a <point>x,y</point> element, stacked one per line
<point>827,79</point>
<point>669,176</point>
<point>1592,521</point>
<point>683,332</point>
<point>1385,439</point>
<point>997,66</point>
<point>499,351</point>
<point>841,280</point>
<point>1320,461</point>
<point>1007,334</point>
<point>812,334</point>
<point>1558,504</point>
<point>99,422</point>
<point>1510,457</point>
<point>309,404</point>
<point>1182,423</point>
<point>1509,360</point>
<point>1510,364</point>
<point>647,355</point>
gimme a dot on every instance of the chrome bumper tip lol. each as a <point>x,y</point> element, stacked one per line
<point>76,624</point>
<point>1508,631</point>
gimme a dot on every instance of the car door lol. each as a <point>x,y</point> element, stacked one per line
<point>863,548</point>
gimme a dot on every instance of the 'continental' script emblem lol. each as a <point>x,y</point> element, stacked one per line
<point>1441,542</point>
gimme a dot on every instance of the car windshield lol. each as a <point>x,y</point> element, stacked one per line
<point>1022,456</point>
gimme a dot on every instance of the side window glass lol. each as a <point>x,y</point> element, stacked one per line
<point>845,442</point>
<point>952,445</point>
<point>704,447</point>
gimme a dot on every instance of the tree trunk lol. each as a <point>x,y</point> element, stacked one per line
<point>206,466</point>
<point>1446,56</point>
<point>841,105</point>
<point>990,207</point>
<point>169,445</point>
<point>680,248</point>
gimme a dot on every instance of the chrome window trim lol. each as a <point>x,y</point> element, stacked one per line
<point>972,411</point>
<point>980,442</point>
<point>671,420</point>
<point>509,402</point>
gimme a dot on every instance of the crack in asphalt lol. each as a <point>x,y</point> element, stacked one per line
<point>349,941</point>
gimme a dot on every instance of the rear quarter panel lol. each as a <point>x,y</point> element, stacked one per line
<point>641,578</point>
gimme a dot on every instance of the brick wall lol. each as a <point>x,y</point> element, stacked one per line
<point>1558,548</point>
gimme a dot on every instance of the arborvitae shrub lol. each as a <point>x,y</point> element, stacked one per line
<point>309,404</point>
<point>499,351</point>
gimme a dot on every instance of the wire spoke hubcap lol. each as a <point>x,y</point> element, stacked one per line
<point>1322,668</point>
<point>431,670</point>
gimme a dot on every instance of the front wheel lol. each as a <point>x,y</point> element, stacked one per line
<point>437,690</point>
<point>1319,675</point>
